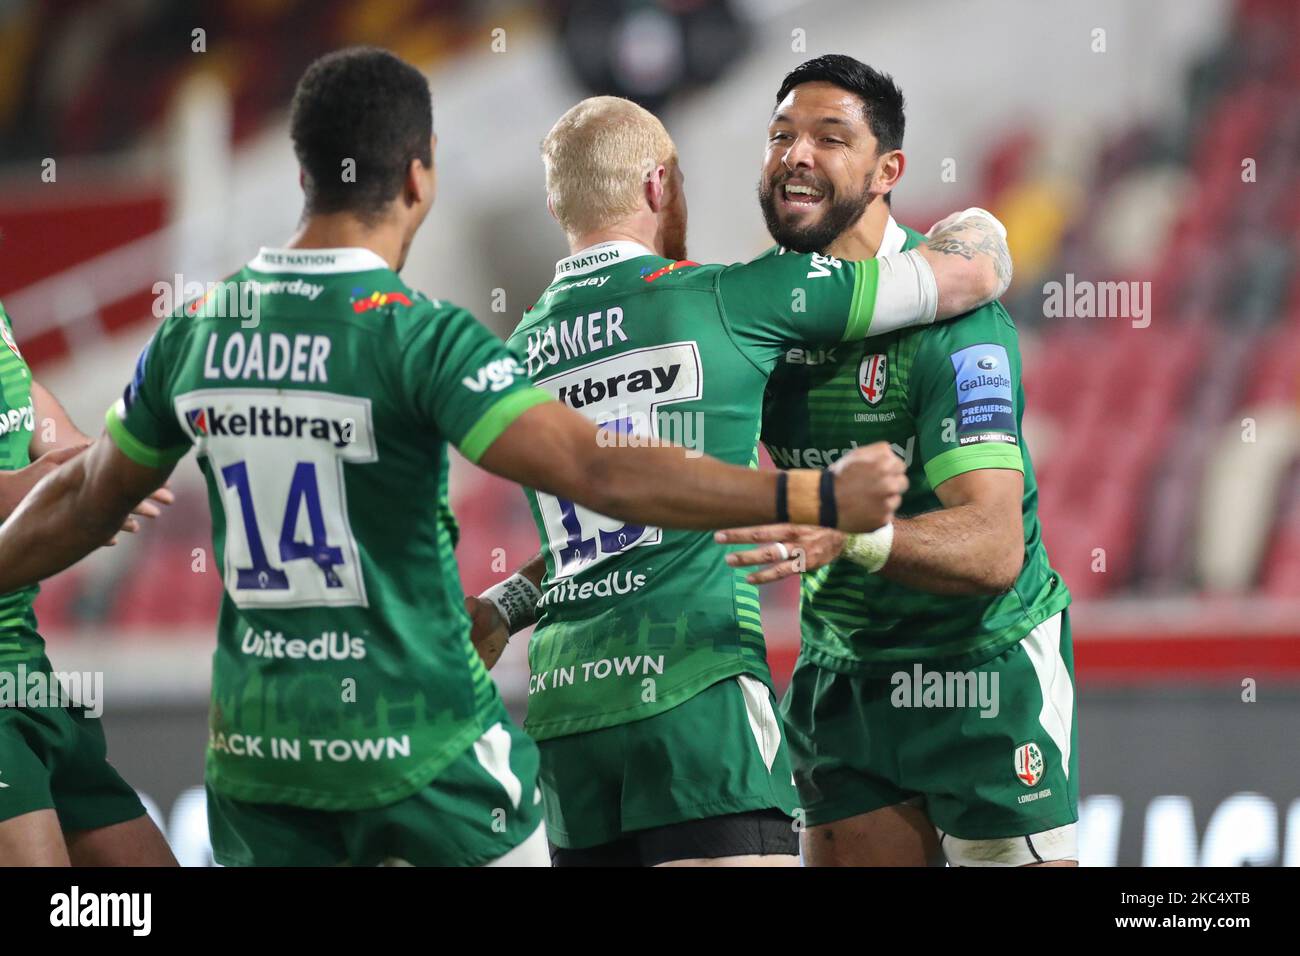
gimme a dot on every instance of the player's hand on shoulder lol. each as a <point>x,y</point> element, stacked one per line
<point>488,631</point>
<point>869,486</point>
<point>786,549</point>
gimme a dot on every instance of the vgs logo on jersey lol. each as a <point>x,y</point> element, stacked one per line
<point>873,378</point>
<point>820,265</point>
<point>496,375</point>
<point>1029,764</point>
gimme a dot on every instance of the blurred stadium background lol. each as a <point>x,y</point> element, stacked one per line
<point>1153,143</point>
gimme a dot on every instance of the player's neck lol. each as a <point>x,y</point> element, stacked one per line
<point>862,240</point>
<point>344,231</point>
<point>643,234</point>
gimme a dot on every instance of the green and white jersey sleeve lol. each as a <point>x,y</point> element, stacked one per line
<point>142,423</point>
<point>777,301</point>
<point>464,382</point>
<point>965,396</point>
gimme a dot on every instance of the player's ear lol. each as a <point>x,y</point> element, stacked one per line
<point>421,181</point>
<point>656,185</point>
<point>889,170</point>
<point>550,207</point>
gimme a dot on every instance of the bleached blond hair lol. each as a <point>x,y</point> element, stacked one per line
<point>597,157</point>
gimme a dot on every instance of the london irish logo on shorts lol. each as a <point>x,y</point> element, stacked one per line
<point>1029,764</point>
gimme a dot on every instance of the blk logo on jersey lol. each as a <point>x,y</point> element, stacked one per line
<point>1029,764</point>
<point>873,378</point>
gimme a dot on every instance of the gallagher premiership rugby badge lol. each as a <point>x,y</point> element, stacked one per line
<point>872,378</point>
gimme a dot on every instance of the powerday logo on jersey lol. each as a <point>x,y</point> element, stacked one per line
<point>361,302</point>
<point>1029,764</point>
<point>873,378</point>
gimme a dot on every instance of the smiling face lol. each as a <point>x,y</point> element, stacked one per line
<point>821,167</point>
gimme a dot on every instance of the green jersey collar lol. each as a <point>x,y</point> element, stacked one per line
<point>317,261</point>
<point>598,257</point>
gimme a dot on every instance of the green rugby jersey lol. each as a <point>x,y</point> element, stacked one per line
<point>635,620</point>
<point>18,639</point>
<point>344,676</point>
<point>948,398</point>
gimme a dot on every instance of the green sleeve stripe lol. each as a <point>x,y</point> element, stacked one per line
<point>957,461</point>
<point>136,450</point>
<point>497,419</point>
<point>866,275</point>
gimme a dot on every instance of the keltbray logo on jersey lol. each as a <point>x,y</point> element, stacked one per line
<point>825,457</point>
<point>363,301</point>
<point>873,378</point>
<point>621,393</point>
<point>1029,764</point>
<point>329,646</point>
<point>612,584</point>
<point>497,375</point>
<point>260,421</point>
<point>276,459</point>
<point>657,379</point>
<point>18,418</point>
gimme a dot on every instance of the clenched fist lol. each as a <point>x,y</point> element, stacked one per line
<point>869,486</point>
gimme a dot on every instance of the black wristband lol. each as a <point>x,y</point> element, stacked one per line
<point>782,505</point>
<point>829,514</point>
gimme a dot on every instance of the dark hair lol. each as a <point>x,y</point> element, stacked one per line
<point>366,105</point>
<point>882,100</point>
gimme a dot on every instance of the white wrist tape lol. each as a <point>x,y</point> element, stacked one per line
<point>870,550</point>
<point>906,293</point>
<point>515,599</point>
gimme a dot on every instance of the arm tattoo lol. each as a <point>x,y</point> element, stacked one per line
<point>975,236</point>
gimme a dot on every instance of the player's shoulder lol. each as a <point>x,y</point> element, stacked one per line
<point>660,273</point>
<point>776,264</point>
<point>945,345</point>
<point>409,312</point>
